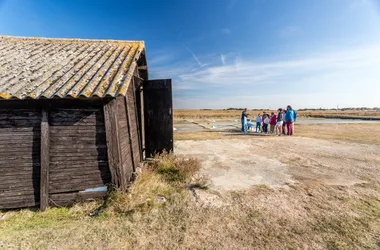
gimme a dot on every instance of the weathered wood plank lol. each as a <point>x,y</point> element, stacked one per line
<point>12,193</point>
<point>75,186</point>
<point>45,146</point>
<point>18,202</point>
<point>125,147</point>
<point>30,173</point>
<point>58,174</point>
<point>15,129</point>
<point>88,163</point>
<point>80,151</point>
<point>113,143</point>
<point>77,128</point>
<point>132,126</point>
<point>22,182</point>
<point>62,158</point>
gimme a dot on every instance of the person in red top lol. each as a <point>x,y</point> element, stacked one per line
<point>273,121</point>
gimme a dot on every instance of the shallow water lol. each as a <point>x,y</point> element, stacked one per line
<point>232,124</point>
<point>335,121</point>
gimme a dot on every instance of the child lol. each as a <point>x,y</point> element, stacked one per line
<point>250,125</point>
<point>280,122</point>
<point>266,123</point>
<point>273,121</point>
<point>258,123</point>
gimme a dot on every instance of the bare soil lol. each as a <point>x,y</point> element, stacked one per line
<point>234,164</point>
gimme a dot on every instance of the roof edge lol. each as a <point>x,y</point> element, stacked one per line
<point>5,37</point>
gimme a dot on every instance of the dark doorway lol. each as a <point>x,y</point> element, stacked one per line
<point>158,116</point>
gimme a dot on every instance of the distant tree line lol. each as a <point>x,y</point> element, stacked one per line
<point>344,109</point>
<point>320,109</point>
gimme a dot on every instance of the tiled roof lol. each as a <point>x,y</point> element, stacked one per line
<point>65,68</point>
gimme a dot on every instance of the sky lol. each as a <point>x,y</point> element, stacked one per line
<point>231,53</point>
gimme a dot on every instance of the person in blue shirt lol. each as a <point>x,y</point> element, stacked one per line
<point>258,123</point>
<point>290,118</point>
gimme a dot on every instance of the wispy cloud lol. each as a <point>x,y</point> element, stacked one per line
<point>253,72</point>
<point>195,57</point>
<point>339,77</point>
<point>225,31</point>
<point>223,59</point>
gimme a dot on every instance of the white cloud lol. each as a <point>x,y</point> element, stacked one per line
<point>347,78</point>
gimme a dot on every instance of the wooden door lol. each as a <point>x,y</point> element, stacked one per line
<point>158,116</point>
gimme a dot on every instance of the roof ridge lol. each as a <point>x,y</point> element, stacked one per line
<point>5,37</point>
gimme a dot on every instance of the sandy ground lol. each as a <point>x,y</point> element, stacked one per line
<point>282,161</point>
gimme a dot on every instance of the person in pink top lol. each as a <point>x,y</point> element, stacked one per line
<point>273,121</point>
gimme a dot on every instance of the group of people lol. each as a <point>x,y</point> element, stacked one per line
<point>280,123</point>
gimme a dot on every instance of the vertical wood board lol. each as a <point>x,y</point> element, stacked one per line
<point>158,116</point>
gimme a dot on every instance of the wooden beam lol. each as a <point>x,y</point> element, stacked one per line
<point>129,132</point>
<point>113,144</point>
<point>44,161</point>
<point>142,67</point>
<point>138,77</point>
<point>137,114</point>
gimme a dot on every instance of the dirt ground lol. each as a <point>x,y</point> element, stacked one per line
<point>234,164</point>
<point>263,192</point>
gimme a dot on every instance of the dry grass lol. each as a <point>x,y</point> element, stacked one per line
<point>359,133</point>
<point>297,217</point>
<point>235,114</point>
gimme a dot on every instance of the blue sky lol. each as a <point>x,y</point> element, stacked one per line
<point>231,53</point>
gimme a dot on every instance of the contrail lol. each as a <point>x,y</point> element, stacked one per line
<point>183,29</point>
<point>195,57</point>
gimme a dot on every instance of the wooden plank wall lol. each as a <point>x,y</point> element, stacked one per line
<point>75,149</point>
<point>78,153</point>
<point>19,158</point>
<point>133,123</point>
<point>125,139</point>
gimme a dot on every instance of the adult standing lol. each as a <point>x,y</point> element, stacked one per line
<point>244,120</point>
<point>290,118</point>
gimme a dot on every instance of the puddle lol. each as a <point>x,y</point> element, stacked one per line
<point>233,124</point>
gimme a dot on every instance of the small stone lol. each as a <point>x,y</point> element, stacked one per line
<point>160,199</point>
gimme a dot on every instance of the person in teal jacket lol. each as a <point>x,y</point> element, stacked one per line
<point>290,118</point>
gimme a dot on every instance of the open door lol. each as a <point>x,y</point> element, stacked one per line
<point>158,116</point>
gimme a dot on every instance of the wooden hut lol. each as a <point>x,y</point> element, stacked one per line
<point>75,116</point>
